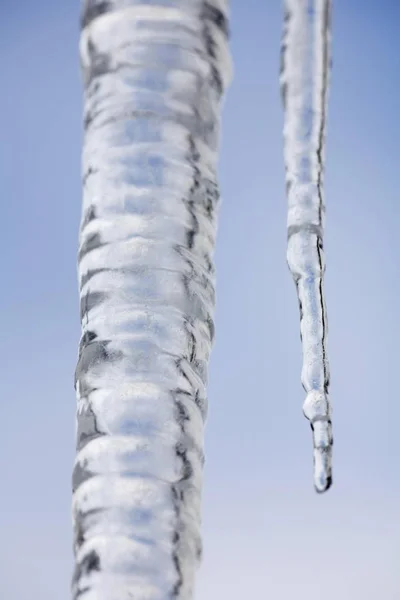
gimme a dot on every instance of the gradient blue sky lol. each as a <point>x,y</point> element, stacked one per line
<point>266,533</point>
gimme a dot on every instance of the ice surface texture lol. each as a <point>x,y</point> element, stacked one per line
<point>304,84</point>
<point>154,72</point>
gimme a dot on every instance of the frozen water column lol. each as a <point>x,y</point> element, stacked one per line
<point>154,75</point>
<point>304,84</point>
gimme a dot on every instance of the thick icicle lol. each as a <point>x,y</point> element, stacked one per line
<point>304,83</point>
<point>154,73</point>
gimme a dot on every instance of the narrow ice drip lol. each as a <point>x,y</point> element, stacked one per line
<point>304,85</point>
<point>154,72</point>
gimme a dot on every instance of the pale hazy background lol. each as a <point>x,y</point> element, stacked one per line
<point>267,535</point>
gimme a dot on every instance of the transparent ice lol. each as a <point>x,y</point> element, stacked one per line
<point>304,84</point>
<point>154,73</point>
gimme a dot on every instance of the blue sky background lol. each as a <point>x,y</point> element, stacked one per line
<point>266,533</point>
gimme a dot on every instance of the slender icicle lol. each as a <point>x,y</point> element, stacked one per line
<point>154,73</point>
<point>304,84</point>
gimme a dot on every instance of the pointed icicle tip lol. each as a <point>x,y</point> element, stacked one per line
<point>322,469</point>
<point>317,410</point>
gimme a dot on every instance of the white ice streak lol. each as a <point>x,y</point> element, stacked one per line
<point>304,83</point>
<point>155,72</point>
